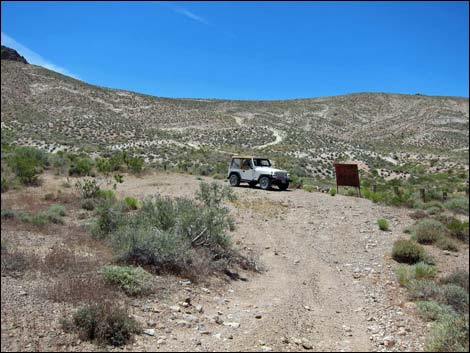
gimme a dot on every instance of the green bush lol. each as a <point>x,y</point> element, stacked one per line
<point>458,205</point>
<point>131,202</point>
<point>105,323</point>
<point>405,274</point>
<point>213,194</point>
<point>424,271</point>
<point>458,229</point>
<point>88,204</point>
<point>26,163</point>
<point>104,166</point>
<point>445,243</point>
<point>133,280</point>
<point>87,188</point>
<point>454,296</point>
<point>135,164</point>
<point>8,214</point>
<point>5,186</point>
<point>424,290</point>
<point>383,224</point>
<point>53,214</point>
<point>429,231</point>
<point>459,278</point>
<point>309,188</point>
<point>430,310</point>
<point>450,334</point>
<point>107,194</point>
<point>408,251</point>
<point>332,191</point>
<point>81,167</point>
<point>109,215</point>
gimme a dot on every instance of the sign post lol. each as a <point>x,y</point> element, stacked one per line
<point>347,174</point>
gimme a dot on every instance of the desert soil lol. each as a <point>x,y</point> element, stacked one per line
<point>327,282</point>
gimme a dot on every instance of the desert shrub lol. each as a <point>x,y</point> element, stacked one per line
<point>408,251</point>
<point>429,231</point>
<point>27,163</point>
<point>445,243</point>
<point>419,214</point>
<point>135,164</point>
<point>424,271</point>
<point>14,262</point>
<point>8,214</point>
<point>454,296</point>
<point>213,194</point>
<point>309,188</point>
<point>133,280</point>
<point>405,274</point>
<point>458,205</point>
<point>424,290</point>
<point>458,229</point>
<point>218,176</point>
<point>450,334</point>
<point>332,192</point>
<point>430,310</point>
<point>105,323</point>
<point>104,166</point>
<point>106,194</point>
<point>55,213</point>
<point>131,202</point>
<point>88,204</point>
<point>81,166</point>
<point>5,186</point>
<point>383,224</point>
<point>459,278</point>
<point>180,236</point>
<point>87,188</point>
<point>296,182</point>
<point>109,215</point>
<point>433,210</point>
<point>49,196</point>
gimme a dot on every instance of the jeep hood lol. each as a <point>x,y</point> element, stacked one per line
<point>269,170</point>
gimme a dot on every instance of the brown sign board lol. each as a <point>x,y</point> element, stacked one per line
<point>347,175</point>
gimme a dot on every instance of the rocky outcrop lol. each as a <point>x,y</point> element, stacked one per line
<point>12,54</point>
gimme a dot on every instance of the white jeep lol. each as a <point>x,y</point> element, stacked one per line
<point>254,170</point>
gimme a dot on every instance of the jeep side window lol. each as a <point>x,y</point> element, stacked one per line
<point>235,163</point>
<point>262,163</point>
<point>246,164</point>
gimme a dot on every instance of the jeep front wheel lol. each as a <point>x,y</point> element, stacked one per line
<point>283,186</point>
<point>234,180</point>
<point>265,183</point>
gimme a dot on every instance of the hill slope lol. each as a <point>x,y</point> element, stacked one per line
<point>49,110</point>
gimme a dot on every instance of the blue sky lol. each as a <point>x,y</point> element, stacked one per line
<point>248,50</point>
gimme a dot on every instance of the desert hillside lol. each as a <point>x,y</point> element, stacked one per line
<point>54,112</point>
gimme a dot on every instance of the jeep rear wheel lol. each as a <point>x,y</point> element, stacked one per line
<point>265,183</point>
<point>234,180</point>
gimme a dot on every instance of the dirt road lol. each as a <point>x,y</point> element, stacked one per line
<point>328,284</point>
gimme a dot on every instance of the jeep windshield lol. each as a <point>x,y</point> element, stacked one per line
<point>262,162</point>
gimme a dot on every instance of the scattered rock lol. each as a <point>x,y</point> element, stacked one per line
<point>389,341</point>
<point>232,324</point>
<point>149,331</point>
<point>306,344</point>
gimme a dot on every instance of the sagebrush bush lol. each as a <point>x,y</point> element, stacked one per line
<point>450,334</point>
<point>109,215</point>
<point>459,278</point>
<point>88,204</point>
<point>429,231</point>
<point>405,274</point>
<point>430,310</point>
<point>135,164</point>
<point>180,236</point>
<point>332,192</point>
<point>5,186</point>
<point>383,224</point>
<point>104,323</point>
<point>131,202</point>
<point>309,188</point>
<point>408,251</point>
<point>27,163</point>
<point>87,188</point>
<point>458,205</point>
<point>445,243</point>
<point>133,280</point>
<point>454,296</point>
<point>81,166</point>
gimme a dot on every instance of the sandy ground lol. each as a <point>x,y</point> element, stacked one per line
<point>328,283</point>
